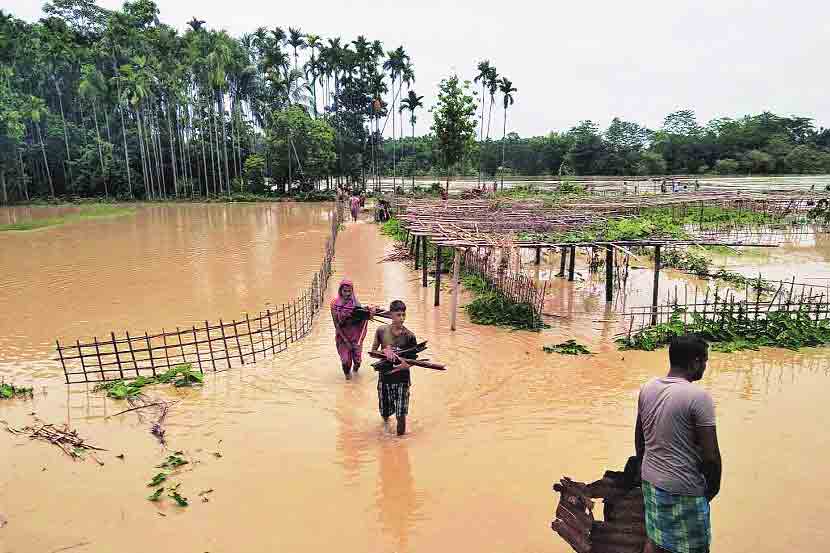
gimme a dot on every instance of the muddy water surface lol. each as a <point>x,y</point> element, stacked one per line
<point>162,267</point>
<point>305,463</point>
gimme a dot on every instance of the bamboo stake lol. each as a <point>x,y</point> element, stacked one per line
<point>455,284</point>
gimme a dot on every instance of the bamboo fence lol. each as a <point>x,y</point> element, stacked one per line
<point>217,345</point>
<point>515,286</point>
<point>809,300</point>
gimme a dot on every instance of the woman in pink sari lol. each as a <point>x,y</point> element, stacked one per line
<point>354,204</point>
<point>349,326</point>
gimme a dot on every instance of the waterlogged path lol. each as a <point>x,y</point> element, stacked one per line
<point>306,464</point>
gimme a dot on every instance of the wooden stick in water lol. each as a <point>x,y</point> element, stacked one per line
<point>413,362</point>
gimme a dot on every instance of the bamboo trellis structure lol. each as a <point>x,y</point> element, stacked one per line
<point>207,345</point>
<point>497,224</point>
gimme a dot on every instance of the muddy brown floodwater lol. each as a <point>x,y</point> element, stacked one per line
<point>306,464</point>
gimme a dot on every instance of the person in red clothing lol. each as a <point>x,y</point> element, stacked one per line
<point>350,329</point>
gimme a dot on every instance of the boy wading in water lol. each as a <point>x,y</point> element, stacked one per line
<point>393,379</point>
<point>349,327</point>
<point>677,444</point>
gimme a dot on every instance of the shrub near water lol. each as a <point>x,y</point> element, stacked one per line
<point>735,332</point>
<point>9,391</point>
<point>394,229</point>
<point>180,376</point>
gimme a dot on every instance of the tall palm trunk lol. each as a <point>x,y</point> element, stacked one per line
<point>4,195</point>
<point>23,186</point>
<point>220,104</point>
<point>45,161</point>
<point>481,134</point>
<point>172,143</point>
<point>503,140</point>
<point>100,152</point>
<point>160,155</point>
<point>144,171</point>
<point>65,132</point>
<point>414,153</point>
<point>394,167</point>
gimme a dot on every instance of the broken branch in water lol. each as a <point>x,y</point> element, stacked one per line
<point>67,440</point>
<point>140,407</point>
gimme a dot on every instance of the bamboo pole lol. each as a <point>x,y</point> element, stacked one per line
<point>437,276</point>
<point>456,265</point>
<point>572,264</point>
<point>609,274</point>
<point>424,261</point>
<point>655,291</point>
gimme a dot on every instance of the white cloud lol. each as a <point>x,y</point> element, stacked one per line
<point>575,60</point>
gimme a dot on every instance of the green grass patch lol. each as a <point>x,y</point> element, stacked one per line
<point>494,309</point>
<point>734,331</point>
<point>10,391</point>
<point>569,347</point>
<point>393,228</point>
<point>95,211</point>
<point>180,376</point>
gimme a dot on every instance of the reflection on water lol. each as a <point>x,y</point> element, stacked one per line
<point>307,464</point>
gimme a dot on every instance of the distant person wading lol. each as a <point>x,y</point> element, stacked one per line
<point>354,204</point>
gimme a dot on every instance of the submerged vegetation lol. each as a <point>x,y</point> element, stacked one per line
<point>85,212</point>
<point>490,307</point>
<point>699,265</point>
<point>170,464</point>
<point>10,391</point>
<point>734,331</point>
<point>569,347</point>
<point>180,376</point>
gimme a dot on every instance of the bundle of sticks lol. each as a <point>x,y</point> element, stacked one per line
<point>67,440</point>
<point>399,253</point>
<point>405,353</point>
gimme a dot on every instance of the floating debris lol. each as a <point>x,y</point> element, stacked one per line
<point>568,348</point>
<point>67,440</point>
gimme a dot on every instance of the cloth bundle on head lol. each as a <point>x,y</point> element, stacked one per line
<point>343,308</point>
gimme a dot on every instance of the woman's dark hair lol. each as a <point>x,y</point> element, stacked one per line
<point>397,305</point>
<point>684,350</point>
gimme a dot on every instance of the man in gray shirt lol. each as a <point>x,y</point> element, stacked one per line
<point>677,445</point>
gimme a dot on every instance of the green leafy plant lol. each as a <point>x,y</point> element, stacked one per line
<point>156,495</point>
<point>493,308</point>
<point>177,497</point>
<point>180,376</point>
<point>173,461</point>
<point>394,229</point>
<point>9,391</point>
<point>157,479</point>
<point>569,347</point>
<point>732,329</point>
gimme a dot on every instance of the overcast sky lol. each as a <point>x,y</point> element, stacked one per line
<point>637,60</point>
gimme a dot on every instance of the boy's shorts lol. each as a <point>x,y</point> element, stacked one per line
<point>393,399</point>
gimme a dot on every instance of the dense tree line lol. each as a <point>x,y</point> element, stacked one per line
<point>755,144</point>
<point>116,103</point>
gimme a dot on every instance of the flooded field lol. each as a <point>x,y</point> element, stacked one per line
<point>611,184</point>
<point>304,462</point>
